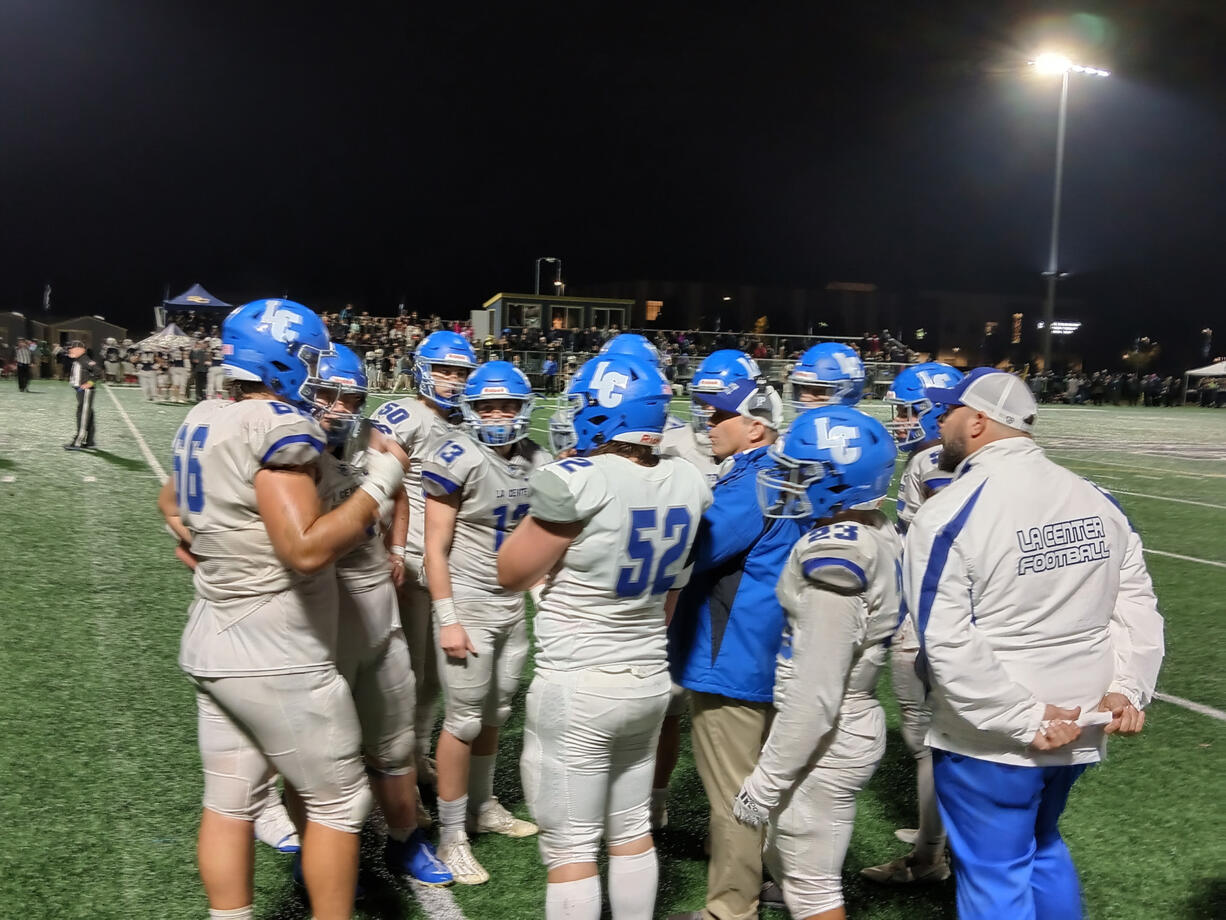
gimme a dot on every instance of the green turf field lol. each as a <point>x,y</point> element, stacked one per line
<point>99,776</point>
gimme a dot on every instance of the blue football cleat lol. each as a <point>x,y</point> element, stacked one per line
<point>416,858</point>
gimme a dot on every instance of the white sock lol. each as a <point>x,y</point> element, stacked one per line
<point>632,885</point>
<point>238,913</point>
<point>480,780</point>
<point>451,817</point>
<point>573,900</point>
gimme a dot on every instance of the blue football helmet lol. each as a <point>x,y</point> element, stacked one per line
<point>498,380</point>
<point>617,398</point>
<point>448,349</point>
<point>827,374</point>
<point>632,345</point>
<point>914,417</point>
<point>832,458</point>
<point>278,343</point>
<point>718,371</point>
<point>340,392</point>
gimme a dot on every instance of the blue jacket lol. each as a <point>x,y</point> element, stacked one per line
<point>728,625</point>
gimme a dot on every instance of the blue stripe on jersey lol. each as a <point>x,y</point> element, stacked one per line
<point>447,484</point>
<point>293,439</point>
<point>811,565</point>
<point>939,482</point>
<point>940,555</point>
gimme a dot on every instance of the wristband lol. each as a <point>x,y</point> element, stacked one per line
<point>444,611</point>
<point>396,551</point>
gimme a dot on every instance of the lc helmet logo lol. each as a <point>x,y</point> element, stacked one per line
<point>609,385</point>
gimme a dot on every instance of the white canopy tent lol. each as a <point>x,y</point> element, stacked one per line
<point>1209,370</point>
<point>171,336</point>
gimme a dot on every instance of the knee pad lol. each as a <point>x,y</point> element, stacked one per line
<point>805,897</point>
<point>628,825</point>
<point>345,812</point>
<point>559,849</point>
<point>233,795</point>
<point>463,722</point>
<point>395,754</point>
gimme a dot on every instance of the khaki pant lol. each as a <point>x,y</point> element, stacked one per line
<point>728,735</point>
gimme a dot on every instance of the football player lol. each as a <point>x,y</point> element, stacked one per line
<point>827,374</point>
<point>217,372</point>
<point>612,528</point>
<point>840,590</point>
<point>442,365</point>
<point>259,643</point>
<point>147,374</point>
<point>476,484</point>
<point>372,654</point>
<point>915,431</point>
<point>679,440</point>
<point>111,360</point>
<point>180,374</point>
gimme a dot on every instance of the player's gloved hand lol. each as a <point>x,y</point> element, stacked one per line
<point>384,474</point>
<point>747,810</point>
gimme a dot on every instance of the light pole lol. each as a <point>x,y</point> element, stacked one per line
<point>536,288</point>
<point>1050,64</point>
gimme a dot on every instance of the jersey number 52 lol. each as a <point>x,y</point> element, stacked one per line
<point>653,546</point>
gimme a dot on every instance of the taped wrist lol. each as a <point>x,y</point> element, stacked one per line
<point>444,611</point>
<point>383,476</point>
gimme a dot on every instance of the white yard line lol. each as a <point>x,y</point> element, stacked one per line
<point>1192,705</point>
<point>140,440</point>
<point>1055,454</point>
<point>1167,498</point>
<point>438,903</point>
<point>1158,552</point>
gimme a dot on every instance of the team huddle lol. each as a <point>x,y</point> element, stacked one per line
<point>349,571</point>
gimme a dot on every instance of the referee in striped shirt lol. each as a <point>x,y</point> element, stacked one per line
<point>84,373</point>
<point>24,356</point>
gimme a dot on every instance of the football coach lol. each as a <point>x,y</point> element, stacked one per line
<point>1040,635</point>
<point>726,635</point>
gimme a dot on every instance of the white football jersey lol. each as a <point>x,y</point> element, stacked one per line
<point>493,499</point>
<point>680,440</point>
<point>921,479</point>
<point>366,564</point>
<point>840,589</point>
<point>604,605</point>
<point>259,616</point>
<point>415,426</point>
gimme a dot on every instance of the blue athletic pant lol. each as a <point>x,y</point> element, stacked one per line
<point>1009,859</point>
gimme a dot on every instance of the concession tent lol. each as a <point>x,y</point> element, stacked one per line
<point>1209,370</point>
<point>197,298</point>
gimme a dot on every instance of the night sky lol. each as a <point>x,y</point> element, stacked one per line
<point>373,152</point>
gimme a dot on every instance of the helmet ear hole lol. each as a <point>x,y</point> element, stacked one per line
<point>283,368</point>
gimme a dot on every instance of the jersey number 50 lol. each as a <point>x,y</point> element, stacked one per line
<point>189,484</point>
<point>653,547</point>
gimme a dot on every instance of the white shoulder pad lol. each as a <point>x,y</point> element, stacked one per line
<point>529,456</point>
<point>282,435</point>
<point>405,420</point>
<point>838,557</point>
<point>449,463</point>
<point>568,490</point>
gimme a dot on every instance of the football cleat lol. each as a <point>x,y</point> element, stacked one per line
<point>416,859</point>
<point>274,828</point>
<point>906,871</point>
<point>907,835</point>
<point>457,855</point>
<point>493,818</point>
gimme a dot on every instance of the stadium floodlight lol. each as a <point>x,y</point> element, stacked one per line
<point>1053,63</point>
<point>557,268</point>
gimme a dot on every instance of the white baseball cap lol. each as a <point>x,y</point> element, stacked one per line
<point>997,394</point>
<point>752,399</point>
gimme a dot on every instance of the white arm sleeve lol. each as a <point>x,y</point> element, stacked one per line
<point>963,665</point>
<point>823,643</point>
<point>1136,630</point>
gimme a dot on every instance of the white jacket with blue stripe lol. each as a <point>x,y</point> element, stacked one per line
<point>1027,586</point>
